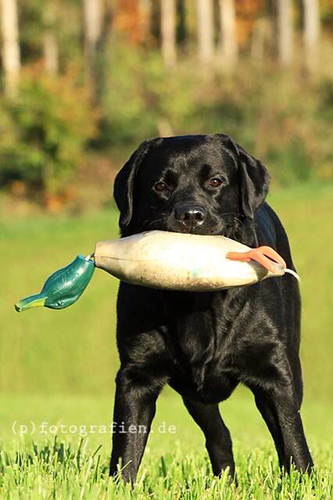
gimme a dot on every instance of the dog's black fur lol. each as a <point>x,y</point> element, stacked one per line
<point>205,344</point>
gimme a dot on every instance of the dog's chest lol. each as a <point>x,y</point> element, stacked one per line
<point>207,382</point>
<point>197,345</point>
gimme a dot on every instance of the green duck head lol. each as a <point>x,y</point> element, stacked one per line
<point>63,287</point>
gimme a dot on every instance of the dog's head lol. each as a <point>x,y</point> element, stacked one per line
<point>203,184</point>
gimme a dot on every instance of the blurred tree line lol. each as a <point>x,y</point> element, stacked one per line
<point>82,78</point>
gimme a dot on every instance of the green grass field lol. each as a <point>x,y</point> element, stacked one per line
<point>57,370</point>
<point>175,463</point>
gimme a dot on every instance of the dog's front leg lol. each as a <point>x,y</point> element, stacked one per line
<point>134,411</point>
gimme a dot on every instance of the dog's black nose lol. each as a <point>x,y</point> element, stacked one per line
<point>190,215</point>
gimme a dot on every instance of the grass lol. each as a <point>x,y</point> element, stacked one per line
<point>60,470</point>
<point>59,366</point>
<point>74,463</point>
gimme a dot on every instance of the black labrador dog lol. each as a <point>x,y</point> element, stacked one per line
<point>204,344</point>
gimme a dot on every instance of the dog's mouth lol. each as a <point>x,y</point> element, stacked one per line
<point>195,230</point>
<point>204,229</point>
<point>212,226</point>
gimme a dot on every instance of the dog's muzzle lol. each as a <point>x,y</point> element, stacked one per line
<point>190,216</point>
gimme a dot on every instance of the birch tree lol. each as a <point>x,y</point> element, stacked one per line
<point>50,41</point>
<point>228,37</point>
<point>168,31</point>
<point>10,46</point>
<point>311,30</point>
<point>284,31</point>
<point>93,25</point>
<point>205,30</point>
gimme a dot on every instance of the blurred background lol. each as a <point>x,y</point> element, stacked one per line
<point>82,83</point>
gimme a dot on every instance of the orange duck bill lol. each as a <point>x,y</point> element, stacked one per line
<point>264,255</point>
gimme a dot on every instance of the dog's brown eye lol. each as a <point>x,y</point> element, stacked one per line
<point>160,186</point>
<point>215,182</point>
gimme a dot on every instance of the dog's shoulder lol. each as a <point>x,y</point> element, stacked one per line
<point>270,231</point>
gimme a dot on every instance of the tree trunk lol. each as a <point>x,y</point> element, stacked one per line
<point>205,28</point>
<point>10,46</point>
<point>168,31</point>
<point>93,25</point>
<point>50,42</point>
<point>284,28</point>
<point>145,12</point>
<point>311,30</point>
<point>228,37</point>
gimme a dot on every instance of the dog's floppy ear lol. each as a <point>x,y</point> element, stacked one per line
<point>254,181</point>
<point>123,189</point>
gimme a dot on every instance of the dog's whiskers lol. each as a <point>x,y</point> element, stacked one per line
<point>233,213</point>
<point>151,222</point>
